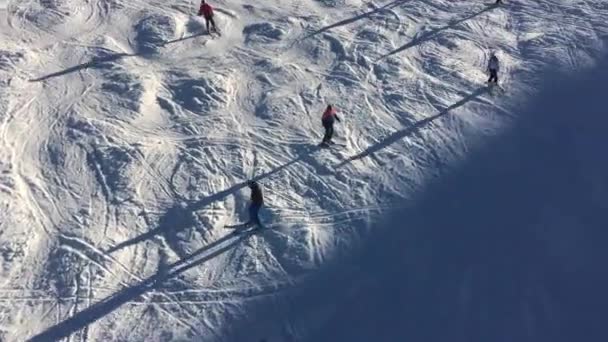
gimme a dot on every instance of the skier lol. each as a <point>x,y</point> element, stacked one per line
<point>493,67</point>
<point>328,119</point>
<point>207,12</point>
<point>257,200</point>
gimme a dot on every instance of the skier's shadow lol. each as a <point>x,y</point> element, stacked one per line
<point>95,62</point>
<point>424,37</point>
<point>176,219</point>
<point>355,18</point>
<point>396,136</point>
<point>113,302</point>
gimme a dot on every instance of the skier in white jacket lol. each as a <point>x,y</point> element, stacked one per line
<point>493,67</point>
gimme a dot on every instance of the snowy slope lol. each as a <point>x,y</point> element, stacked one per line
<point>127,136</point>
<point>509,247</point>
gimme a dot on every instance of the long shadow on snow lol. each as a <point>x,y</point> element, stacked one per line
<point>179,217</point>
<point>355,18</point>
<point>113,302</point>
<point>413,128</point>
<point>509,246</point>
<point>431,34</point>
<point>95,62</point>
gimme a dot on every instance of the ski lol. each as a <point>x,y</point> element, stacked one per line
<point>213,34</point>
<point>238,226</point>
<point>492,86</point>
<point>246,228</point>
<point>331,144</point>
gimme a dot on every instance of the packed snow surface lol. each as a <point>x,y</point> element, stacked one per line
<point>127,136</point>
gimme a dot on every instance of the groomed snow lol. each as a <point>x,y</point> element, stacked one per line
<point>127,137</point>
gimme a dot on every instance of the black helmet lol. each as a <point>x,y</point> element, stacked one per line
<point>252,183</point>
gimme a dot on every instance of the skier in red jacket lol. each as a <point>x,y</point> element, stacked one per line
<point>207,12</point>
<point>328,119</point>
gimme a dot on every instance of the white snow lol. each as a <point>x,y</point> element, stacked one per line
<point>127,137</point>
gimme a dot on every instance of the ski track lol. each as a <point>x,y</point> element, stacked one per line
<point>126,136</point>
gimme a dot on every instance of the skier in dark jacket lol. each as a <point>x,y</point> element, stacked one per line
<point>329,117</point>
<point>257,200</point>
<point>493,67</point>
<point>207,12</point>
